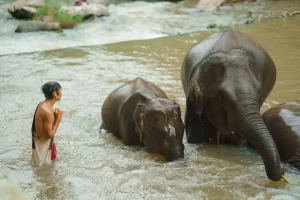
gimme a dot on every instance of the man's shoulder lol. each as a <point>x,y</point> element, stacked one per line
<point>44,110</point>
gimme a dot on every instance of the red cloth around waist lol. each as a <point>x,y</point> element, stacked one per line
<point>53,151</point>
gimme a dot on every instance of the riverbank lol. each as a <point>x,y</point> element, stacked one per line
<point>133,21</point>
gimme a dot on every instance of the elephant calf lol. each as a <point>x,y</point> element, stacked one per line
<point>283,122</point>
<point>140,113</point>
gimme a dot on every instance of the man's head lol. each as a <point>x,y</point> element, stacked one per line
<point>52,90</point>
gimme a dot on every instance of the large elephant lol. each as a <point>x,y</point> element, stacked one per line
<point>226,78</point>
<point>283,122</point>
<point>141,113</point>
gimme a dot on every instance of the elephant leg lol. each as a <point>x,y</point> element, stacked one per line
<point>230,137</point>
<point>103,126</point>
<point>129,135</point>
<point>208,130</point>
<point>130,141</point>
<point>199,129</point>
<point>193,130</point>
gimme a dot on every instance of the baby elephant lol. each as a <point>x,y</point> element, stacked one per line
<point>283,122</point>
<point>140,113</point>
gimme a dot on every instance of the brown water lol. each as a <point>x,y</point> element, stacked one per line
<point>95,165</point>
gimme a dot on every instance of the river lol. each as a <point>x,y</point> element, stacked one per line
<point>95,165</point>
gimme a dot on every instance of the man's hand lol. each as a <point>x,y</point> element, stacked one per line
<point>58,114</point>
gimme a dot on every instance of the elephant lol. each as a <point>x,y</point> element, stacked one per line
<point>283,122</point>
<point>226,78</point>
<point>140,113</point>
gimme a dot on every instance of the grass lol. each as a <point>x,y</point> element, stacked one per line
<point>52,7</point>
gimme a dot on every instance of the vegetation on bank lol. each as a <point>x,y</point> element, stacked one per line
<point>52,9</point>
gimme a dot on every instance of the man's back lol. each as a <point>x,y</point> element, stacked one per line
<point>43,116</point>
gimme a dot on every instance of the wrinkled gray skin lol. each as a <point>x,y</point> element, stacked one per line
<point>33,26</point>
<point>283,122</point>
<point>226,78</point>
<point>140,113</point>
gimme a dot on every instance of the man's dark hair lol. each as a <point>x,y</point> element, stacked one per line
<point>49,87</point>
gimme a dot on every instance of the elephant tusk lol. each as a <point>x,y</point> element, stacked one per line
<point>286,179</point>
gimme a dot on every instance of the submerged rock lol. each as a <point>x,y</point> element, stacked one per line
<point>25,9</point>
<point>209,5</point>
<point>34,26</point>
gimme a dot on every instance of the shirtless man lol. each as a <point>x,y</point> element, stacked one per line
<point>45,124</point>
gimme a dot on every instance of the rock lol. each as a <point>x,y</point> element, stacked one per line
<point>48,18</point>
<point>104,2</point>
<point>297,12</point>
<point>211,26</point>
<point>286,14</point>
<point>209,5</point>
<point>87,11</point>
<point>25,9</point>
<point>24,13</point>
<point>246,21</point>
<point>33,26</point>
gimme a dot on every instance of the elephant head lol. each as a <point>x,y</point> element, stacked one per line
<point>228,91</point>
<point>160,127</point>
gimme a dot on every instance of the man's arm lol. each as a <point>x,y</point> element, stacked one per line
<point>51,124</point>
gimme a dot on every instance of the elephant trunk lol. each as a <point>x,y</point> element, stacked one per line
<point>256,132</point>
<point>173,147</point>
<point>174,151</point>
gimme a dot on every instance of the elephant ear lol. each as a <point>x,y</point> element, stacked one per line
<point>139,120</point>
<point>196,96</point>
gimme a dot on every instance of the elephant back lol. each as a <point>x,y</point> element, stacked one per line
<point>283,122</point>
<point>112,111</point>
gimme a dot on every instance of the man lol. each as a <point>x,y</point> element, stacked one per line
<point>45,124</point>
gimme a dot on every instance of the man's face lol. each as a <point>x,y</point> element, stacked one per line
<point>57,96</point>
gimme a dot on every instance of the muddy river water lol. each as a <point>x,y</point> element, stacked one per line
<point>95,165</point>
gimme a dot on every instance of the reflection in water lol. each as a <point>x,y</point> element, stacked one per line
<point>96,165</point>
<point>45,176</point>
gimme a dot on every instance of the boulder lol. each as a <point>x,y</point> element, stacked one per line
<point>105,2</point>
<point>87,11</point>
<point>25,9</point>
<point>209,5</point>
<point>34,26</point>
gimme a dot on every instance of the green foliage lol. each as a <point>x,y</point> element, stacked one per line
<point>52,8</point>
<point>68,21</point>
